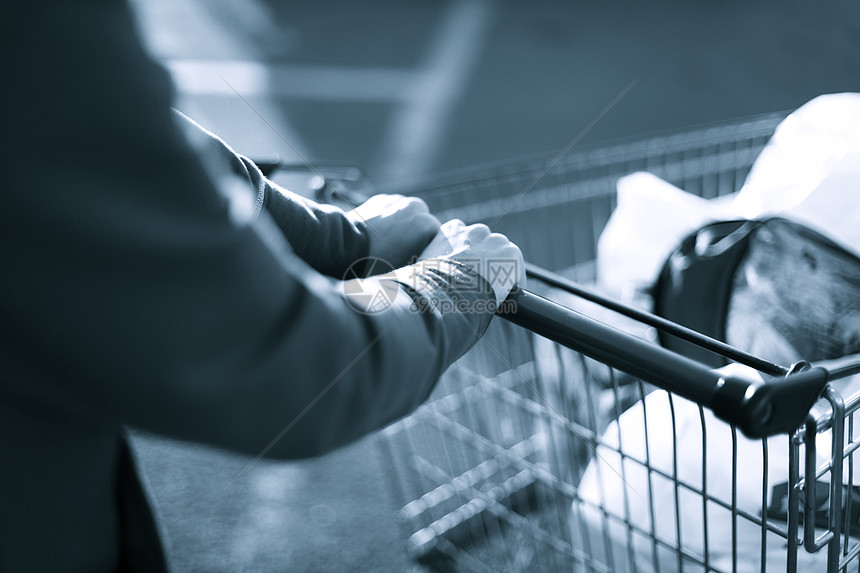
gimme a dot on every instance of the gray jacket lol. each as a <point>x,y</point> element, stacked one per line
<point>138,289</point>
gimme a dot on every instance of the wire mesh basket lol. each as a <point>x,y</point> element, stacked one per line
<point>559,443</point>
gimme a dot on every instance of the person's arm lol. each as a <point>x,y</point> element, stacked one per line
<point>149,291</point>
<point>322,235</point>
<point>393,228</point>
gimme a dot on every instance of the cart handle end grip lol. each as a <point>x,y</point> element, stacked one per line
<point>778,407</point>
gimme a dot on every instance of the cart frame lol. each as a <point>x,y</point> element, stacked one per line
<point>479,469</point>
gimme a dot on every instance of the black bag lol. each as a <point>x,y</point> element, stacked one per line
<point>771,287</point>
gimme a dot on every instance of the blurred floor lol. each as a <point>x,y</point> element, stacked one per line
<point>410,89</point>
<point>332,514</point>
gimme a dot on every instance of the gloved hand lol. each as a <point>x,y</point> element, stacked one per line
<point>492,255</point>
<point>398,227</point>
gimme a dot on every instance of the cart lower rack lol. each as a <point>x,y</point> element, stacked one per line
<point>556,447</point>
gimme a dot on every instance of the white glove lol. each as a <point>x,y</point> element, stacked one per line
<point>492,255</point>
<point>398,227</point>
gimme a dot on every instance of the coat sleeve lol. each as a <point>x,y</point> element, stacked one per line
<point>320,234</point>
<point>143,290</point>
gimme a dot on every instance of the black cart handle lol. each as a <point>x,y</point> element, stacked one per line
<point>758,408</point>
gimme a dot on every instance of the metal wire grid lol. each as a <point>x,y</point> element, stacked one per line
<point>554,208</point>
<point>839,534</point>
<point>488,462</point>
<point>488,473</point>
<point>760,540</point>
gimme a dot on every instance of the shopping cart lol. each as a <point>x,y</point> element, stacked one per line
<point>548,448</point>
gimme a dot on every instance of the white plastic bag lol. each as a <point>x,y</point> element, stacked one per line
<point>808,172</point>
<point>669,436</point>
<point>650,219</point>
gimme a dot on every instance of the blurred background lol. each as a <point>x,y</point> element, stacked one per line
<point>409,90</point>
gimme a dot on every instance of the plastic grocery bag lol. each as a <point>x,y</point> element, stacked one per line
<point>629,516</point>
<point>808,172</point>
<point>650,219</point>
<point>675,437</point>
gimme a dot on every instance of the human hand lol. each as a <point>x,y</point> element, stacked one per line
<point>398,227</point>
<point>492,255</point>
